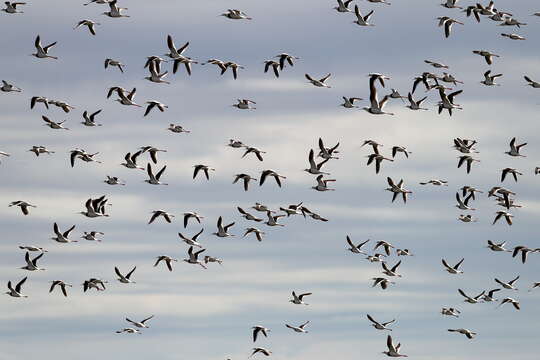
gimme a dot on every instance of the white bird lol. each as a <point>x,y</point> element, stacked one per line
<point>320,82</point>
<point>16,292</point>
<point>298,299</point>
<point>380,326</point>
<point>299,328</point>
<point>453,269</point>
<point>62,237</point>
<point>142,323</point>
<point>125,279</point>
<point>393,350</point>
<point>42,52</point>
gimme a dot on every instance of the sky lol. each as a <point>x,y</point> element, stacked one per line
<point>208,314</point>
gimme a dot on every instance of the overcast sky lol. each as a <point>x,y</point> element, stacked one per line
<point>207,314</point>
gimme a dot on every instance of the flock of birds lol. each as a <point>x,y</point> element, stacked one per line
<point>317,161</point>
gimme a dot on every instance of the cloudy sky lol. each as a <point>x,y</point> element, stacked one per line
<point>208,314</point>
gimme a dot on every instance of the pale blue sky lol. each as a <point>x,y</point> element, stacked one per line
<point>208,314</point>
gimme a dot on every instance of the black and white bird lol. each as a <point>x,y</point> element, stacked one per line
<point>23,205</point>
<point>299,328</point>
<point>16,291</point>
<point>298,299</point>
<point>380,326</point>
<point>61,284</point>
<point>62,237</point>
<point>257,329</point>
<point>142,323</point>
<point>453,269</point>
